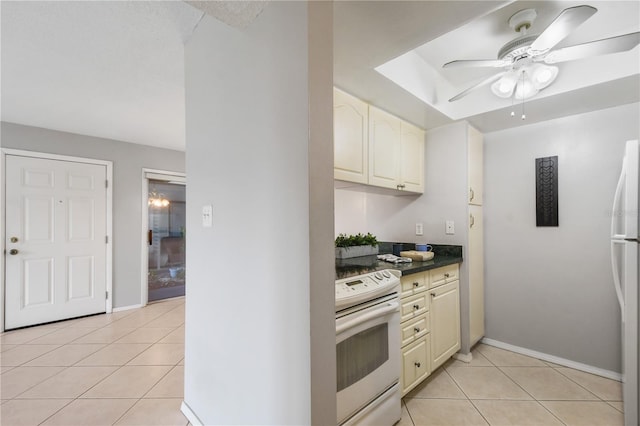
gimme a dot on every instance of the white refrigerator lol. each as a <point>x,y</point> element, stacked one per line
<point>625,262</point>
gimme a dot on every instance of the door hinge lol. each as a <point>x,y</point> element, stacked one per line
<point>106,183</point>
<point>106,295</point>
<point>106,239</point>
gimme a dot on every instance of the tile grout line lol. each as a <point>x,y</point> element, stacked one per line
<point>523,389</point>
<point>583,387</point>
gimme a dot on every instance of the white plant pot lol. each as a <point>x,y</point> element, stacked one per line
<point>355,251</point>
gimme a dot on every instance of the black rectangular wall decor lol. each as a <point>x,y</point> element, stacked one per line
<point>547,191</point>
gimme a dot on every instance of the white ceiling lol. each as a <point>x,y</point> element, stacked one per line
<point>429,34</point>
<point>115,69</point>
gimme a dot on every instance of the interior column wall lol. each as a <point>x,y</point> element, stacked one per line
<point>249,328</point>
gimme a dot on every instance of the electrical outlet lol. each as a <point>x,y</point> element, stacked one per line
<point>207,216</point>
<point>449,227</point>
<point>419,229</point>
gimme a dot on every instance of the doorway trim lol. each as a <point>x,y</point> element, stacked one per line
<point>4,152</point>
<point>155,174</point>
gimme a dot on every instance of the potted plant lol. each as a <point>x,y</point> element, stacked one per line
<point>355,245</point>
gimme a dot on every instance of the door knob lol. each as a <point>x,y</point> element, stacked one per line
<point>13,252</point>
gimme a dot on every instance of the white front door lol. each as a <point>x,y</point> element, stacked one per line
<point>56,246</point>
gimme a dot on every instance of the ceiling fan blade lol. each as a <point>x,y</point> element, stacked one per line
<point>474,87</point>
<point>568,20</point>
<point>492,63</point>
<point>594,48</point>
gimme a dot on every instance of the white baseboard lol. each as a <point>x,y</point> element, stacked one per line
<point>126,308</point>
<point>190,415</point>
<point>554,359</point>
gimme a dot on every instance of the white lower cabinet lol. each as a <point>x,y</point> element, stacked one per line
<point>415,363</point>
<point>445,320</point>
<point>430,323</point>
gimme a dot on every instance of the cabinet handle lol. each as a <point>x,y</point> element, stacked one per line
<point>472,221</point>
<point>471,194</point>
<point>417,364</point>
<point>400,186</point>
<point>416,307</point>
<point>433,295</point>
<point>446,275</point>
<point>416,284</point>
<point>416,329</point>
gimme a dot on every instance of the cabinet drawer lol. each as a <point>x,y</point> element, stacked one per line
<point>414,329</point>
<point>414,306</point>
<point>413,284</point>
<point>415,363</point>
<point>443,275</point>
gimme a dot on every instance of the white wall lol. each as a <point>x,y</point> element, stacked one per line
<point>551,289</point>
<point>249,316</point>
<point>128,161</point>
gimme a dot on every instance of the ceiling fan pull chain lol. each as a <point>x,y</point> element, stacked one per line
<point>523,116</point>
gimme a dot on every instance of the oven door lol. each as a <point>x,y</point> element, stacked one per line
<point>367,355</point>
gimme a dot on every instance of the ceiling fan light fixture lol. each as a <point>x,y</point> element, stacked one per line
<point>525,89</point>
<point>503,88</point>
<point>543,75</point>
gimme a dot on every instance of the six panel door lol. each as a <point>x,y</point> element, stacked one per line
<point>56,240</point>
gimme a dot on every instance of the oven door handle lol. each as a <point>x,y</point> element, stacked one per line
<point>391,307</point>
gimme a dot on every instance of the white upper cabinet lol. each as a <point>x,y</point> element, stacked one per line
<point>475,166</point>
<point>376,148</point>
<point>384,149</point>
<point>412,158</point>
<point>350,137</point>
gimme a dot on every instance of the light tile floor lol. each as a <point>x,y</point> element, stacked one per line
<point>124,368</point>
<point>127,368</point>
<point>504,388</point>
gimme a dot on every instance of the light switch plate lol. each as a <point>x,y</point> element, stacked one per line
<point>419,229</point>
<point>207,216</point>
<point>449,227</point>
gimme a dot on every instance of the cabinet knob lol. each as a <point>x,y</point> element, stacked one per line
<point>400,186</point>
<point>416,307</point>
<point>14,239</point>
<point>13,252</point>
<point>416,329</point>
<point>433,295</point>
<point>446,275</point>
<point>417,364</point>
<point>416,284</point>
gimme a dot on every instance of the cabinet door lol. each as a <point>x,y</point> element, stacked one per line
<point>411,158</point>
<point>384,149</point>
<point>475,166</point>
<point>475,257</point>
<point>415,363</point>
<point>350,138</point>
<point>445,323</point>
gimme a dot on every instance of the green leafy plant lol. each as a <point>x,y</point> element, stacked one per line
<point>342,240</point>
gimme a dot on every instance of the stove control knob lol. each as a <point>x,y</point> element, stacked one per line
<point>386,274</point>
<point>377,275</point>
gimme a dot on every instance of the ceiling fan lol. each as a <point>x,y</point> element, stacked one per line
<point>526,61</point>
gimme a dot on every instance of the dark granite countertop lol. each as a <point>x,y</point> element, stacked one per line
<point>443,255</point>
